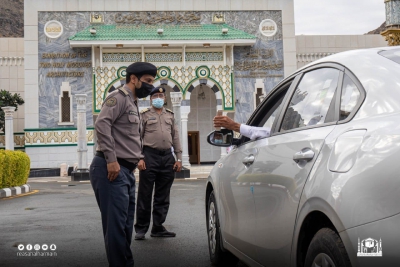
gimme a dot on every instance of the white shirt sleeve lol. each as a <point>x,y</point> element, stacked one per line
<point>254,132</point>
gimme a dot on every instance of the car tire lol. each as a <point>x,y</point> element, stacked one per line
<point>327,249</point>
<point>218,256</point>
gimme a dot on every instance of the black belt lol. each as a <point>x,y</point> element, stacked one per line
<point>129,165</point>
<point>157,151</point>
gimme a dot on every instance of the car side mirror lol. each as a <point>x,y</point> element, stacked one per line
<point>223,138</point>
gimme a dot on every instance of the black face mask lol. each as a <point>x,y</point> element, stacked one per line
<point>144,90</point>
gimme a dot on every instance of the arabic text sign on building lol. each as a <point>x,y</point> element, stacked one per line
<point>268,27</point>
<point>53,29</point>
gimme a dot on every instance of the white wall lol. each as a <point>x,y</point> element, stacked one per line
<point>52,157</point>
<point>12,74</point>
<point>313,47</point>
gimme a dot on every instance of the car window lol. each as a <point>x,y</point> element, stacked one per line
<point>270,109</point>
<point>350,97</point>
<point>268,112</point>
<point>393,55</point>
<point>269,120</point>
<point>311,100</point>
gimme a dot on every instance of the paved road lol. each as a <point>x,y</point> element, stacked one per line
<point>66,214</point>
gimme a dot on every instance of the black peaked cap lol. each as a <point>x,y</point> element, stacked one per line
<point>157,89</point>
<point>141,68</point>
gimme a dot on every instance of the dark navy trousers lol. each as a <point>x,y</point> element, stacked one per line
<point>116,201</point>
<point>159,174</point>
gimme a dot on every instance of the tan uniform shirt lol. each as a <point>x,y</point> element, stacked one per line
<point>117,127</point>
<point>159,130</point>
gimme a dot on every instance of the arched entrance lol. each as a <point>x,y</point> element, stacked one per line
<point>203,107</point>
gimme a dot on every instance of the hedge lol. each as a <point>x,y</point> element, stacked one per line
<point>14,168</point>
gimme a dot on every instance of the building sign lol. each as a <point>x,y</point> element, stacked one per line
<point>53,29</point>
<point>218,18</point>
<point>96,18</point>
<point>268,27</point>
<point>65,65</point>
<point>153,18</point>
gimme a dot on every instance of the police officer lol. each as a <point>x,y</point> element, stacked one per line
<point>157,166</point>
<point>119,150</point>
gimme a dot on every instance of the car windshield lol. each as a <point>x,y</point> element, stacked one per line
<point>393,55</point>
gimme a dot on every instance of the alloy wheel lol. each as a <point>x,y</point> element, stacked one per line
<point>212,227</point>
<point>323,260</point>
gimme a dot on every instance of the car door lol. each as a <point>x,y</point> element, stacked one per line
<point>238,220</point>
<point>237,212</point>
<point>283,161</point>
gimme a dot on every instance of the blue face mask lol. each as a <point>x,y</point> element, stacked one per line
<point>158,102</point>
<point>218,141</point>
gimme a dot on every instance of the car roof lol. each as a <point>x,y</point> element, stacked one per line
<point>355,59</point>
<point>365,64</point>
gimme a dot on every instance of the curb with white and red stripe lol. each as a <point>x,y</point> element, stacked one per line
<point>13,191</point>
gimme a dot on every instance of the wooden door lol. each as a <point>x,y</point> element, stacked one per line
<point>194,147</point>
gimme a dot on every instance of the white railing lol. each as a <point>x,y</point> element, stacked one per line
<point>11,61</point>
<point>310,57</point>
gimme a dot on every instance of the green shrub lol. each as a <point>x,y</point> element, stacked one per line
<point>14,168</point>
<point>8,99</point>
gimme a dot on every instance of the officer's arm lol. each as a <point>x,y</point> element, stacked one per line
<point>176,142</point>
<point>110,111</point>
<point>143,122</point>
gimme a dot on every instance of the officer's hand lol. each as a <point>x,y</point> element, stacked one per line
<point>113,170</point>
<point>178,166</point>
<point>141,165</point>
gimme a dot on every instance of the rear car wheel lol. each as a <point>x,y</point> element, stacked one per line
<point>327,249</point>
<point>218,257</point>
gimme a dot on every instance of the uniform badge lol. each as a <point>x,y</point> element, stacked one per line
<point>152,118</point>
<point>131,112</point>
<point>161,90</point>
<point>111,102</point>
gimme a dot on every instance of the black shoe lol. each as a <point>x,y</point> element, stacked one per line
<point>140,236</point>
<point>162,233</point>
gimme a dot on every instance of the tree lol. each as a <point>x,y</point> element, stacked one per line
<point>8,100</point>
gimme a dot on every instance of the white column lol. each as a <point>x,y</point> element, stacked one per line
<point>223,149</point>
<point>184,56</point>
<point>185,151</point>
<point>101,58</point>
<point>82,144</point>
<point>9,126</point>
<point>93,61</point>
<point>94,136</point>
<point>176,99</point>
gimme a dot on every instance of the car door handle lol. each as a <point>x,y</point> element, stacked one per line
<point>305,154</point>
<point>248,160</point>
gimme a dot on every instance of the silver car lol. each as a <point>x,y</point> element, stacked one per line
<point>324,188</point>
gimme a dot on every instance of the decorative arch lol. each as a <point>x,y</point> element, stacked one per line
<point>114,85</point>
<point>164,77</point>
<point>212,84</point>
<point>117,82</point>
<point>167,81</point>
<point>181,79</point>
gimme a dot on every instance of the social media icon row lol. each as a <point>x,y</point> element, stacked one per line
<point>37,247</point>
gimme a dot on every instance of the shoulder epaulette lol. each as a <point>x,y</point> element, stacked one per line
<point>169,110</point>
<point>144,110</point>
<point>123,91</point>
